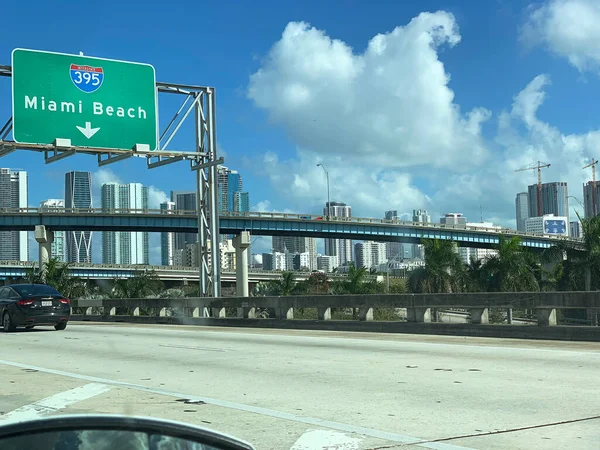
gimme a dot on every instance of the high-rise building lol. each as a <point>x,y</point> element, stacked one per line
<point>124,247</point>
<point>522,210</point>
<point>167,240</point>
<point>392,249</point>
<point>341,248</point>
<point>575,229</point>
<point>59,246</point>
<point>554,199</point>
<point>228,259</point>
<point>231,197</point>
<point>274,261</point>
<point>241,202</point>
<point>78,195</point>
<point>588,199</point>
<point>184,201</point>
<point>296,261</point>
<point>13,194</point>
<point>419,216</point>
<point>296,244</point>
<point>453,219</point>
<point>229,181</point>
<point>369,254</point>
<point>391,215</point>
<point>326,263</point>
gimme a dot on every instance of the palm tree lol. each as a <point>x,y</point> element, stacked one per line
<point>442,271</point>
<point>58,275</point>
<point>581,268</point>
<point>513,268</point>
<point>140,285</point>
<point>284,285</point>
<point>476,277</point>
<point>582,264</point>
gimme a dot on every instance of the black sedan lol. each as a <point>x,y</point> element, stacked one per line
<point>28,305</point>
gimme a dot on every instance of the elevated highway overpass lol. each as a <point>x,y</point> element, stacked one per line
<point>264,224</point>
<point>17,269</point>
<point>309,390</point>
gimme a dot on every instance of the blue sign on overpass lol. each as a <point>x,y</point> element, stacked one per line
<point>264,224</point>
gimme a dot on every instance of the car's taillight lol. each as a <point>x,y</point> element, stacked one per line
<point>64,301</point>
<point>25,302</point>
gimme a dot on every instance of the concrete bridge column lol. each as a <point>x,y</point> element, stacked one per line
<point>241,242</point>
<point>44,238</point>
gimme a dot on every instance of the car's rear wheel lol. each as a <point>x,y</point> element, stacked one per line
<point>60,326</point>
<point>7,323</point>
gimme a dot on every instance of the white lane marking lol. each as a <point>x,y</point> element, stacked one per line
<point>326,439</point>
<point>252,409</point>
<point>55,402</point>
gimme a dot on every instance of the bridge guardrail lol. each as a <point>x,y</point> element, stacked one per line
<point>418,306</point>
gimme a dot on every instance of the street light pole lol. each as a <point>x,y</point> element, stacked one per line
<point>328,198</point>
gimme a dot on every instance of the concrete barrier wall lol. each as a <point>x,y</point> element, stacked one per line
<point>418,307</point>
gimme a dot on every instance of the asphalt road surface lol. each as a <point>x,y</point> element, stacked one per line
<point>305,390</point>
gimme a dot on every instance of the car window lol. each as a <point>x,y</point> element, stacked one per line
<point>3,293</point>
<point>25,290</point>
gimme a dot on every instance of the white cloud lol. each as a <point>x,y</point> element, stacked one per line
<point>262,206</point>
<point>103,176</point>
<point>260,245</point>
<point>523,138</point>
<point>394,138</point>
<point>568,28</point>
<point>156,197</point>
<point>388,106</point>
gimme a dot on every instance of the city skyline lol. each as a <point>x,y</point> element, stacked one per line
<point>407,251</point>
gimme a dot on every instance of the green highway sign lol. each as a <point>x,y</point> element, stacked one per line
<point>94,102</point>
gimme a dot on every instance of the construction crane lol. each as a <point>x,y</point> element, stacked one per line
<point>539,166</point>
<point>594,195</point>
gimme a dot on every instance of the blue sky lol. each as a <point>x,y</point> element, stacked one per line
<point>436,113</point>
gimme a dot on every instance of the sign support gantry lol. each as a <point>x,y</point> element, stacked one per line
<point>203,159</point>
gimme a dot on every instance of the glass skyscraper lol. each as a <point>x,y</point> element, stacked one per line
<point>231,195</point>
<point>588,199</point>
<point>184,201</point>
<point>554,199</point>
<point>13,194</point>
<point>167,240</point>
<point>78,194</point>
<point>522,210</point>
<point>124,247</point>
